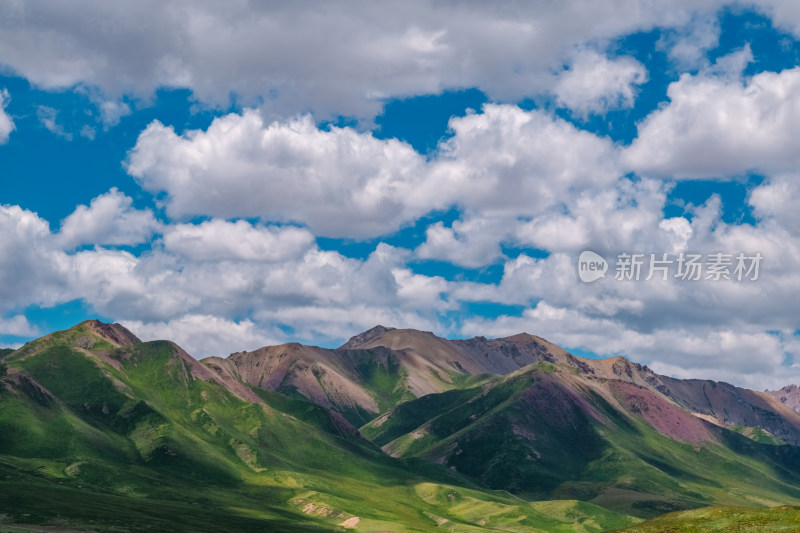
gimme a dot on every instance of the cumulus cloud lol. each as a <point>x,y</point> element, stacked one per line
<point>6,124</point>
<point>323,295</point>
<point>514,162</point>
<point>330,60</point>
<point>342,183</point>
<point>646,305</point>
<point>17,326</point>
<point>108,219</point>
<point>625,214</point>
<point>687,46</point>
<point>472,242</point>
<point>775,201</point>
<point>339,182</point>
<point>785,14</point>
<point>596,84</point>
<point>111,112</point>
<point>204,335</point>
<point>168,284</point>
<point>30,263</point>
<point>219,269</point>
<point>739,331</point>
<point>221,240</point>
<point>718,126</point>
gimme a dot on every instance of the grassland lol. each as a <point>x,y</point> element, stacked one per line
<point>723,520</point>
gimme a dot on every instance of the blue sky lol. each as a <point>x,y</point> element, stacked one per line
<point>230,180</point>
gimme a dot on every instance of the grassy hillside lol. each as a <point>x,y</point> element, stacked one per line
<point>722,520</point>
<point>102,434</point>
<point>550,432</point>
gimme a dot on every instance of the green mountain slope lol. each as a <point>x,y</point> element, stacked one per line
<point>722,520</point>
<point>551,431</point>
<point>101,431</point>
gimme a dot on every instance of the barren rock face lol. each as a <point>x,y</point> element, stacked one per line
<point>113,333</point>
<point>789,395</point>
<point>363,339</point>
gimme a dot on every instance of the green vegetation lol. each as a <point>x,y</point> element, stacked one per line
<point>412,414</point>
<point>385,383</point>
<point>759,435</point>
<point>723,520</point>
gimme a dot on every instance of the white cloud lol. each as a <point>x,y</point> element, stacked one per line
<point>740,332</point>
<point>717,126</point>
<point>596,84</point>
<point>30,263</point>
<point>688,46</point>
<point>6,124</point>
<point>17,326</point>
<point>339,182</point>
<point>342,183</point>
<point>221,240</point>
<point>473,242</point>
<point>48,117</point>
<point>111,112</point>
<point>623,216</point>
<point>88,132</point>
<point>108,112</point>
<point>785,14</point>
<point>517,163</point>
<point>331,60</point>
<point>167,284</point>
<point>775,201</point>
<point>109,219</point>
<point>204,335</point>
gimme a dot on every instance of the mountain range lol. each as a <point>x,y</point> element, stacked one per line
<point>396,430</point>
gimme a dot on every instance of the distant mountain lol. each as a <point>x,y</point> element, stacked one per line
<point>358,384</point>
<point>380,368</point>
<point>383,367</point>
<point>474,356</point>
<point>788,395</point>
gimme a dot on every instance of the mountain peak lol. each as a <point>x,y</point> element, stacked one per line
<point>358,341</point>
<point>522,337</point>
<point>113,333</point>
